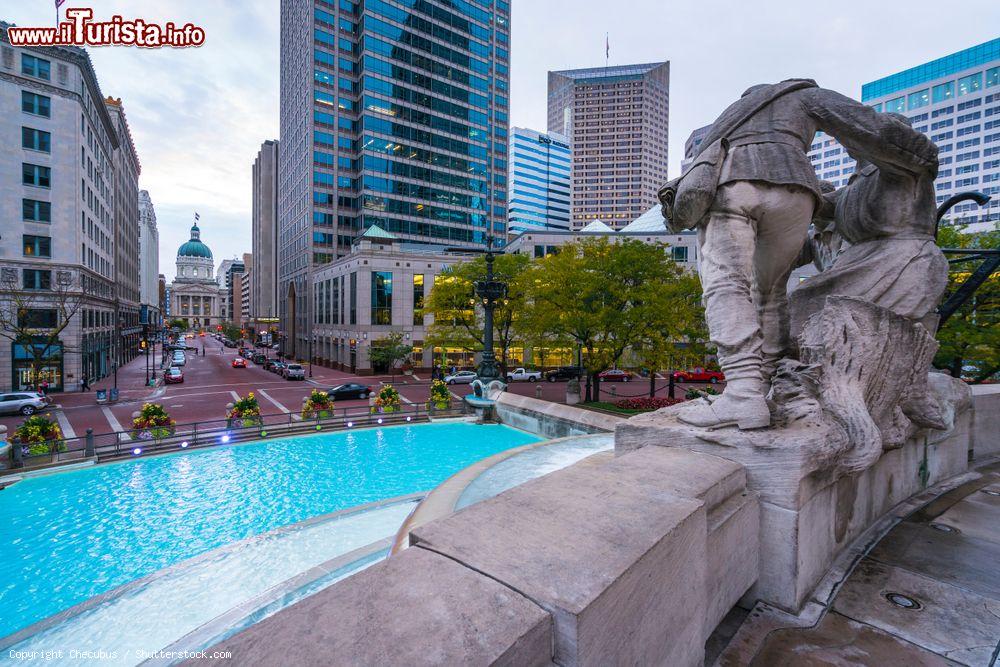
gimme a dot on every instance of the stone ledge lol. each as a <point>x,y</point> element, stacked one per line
<point>586,421</point>
<point>418,608</point>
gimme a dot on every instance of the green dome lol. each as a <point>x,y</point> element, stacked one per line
<point>194,247</point>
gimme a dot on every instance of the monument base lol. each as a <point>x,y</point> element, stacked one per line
<point>807,516</point>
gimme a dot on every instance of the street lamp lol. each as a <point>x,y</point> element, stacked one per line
<point>489,291</point>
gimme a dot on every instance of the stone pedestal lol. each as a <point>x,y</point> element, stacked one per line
<point>807,515</point>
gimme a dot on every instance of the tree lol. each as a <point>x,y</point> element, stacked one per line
<point>231,331</point>
<point>458,317</point>
<point>179,323</point>
<point>385,352</point>
<point>971,336</point>
<point>34,319</point>
<point>608,297</point>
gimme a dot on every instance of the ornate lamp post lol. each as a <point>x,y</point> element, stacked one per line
<point>489,291</point>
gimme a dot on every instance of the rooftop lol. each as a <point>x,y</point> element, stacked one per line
<point>935,69</point>
<point>614,71</point>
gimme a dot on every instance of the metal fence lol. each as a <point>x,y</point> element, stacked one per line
<point>215,432</point>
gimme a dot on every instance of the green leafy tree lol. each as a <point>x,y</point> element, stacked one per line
<point>384,353</point>
<point>179,323</point>
<point>458,316</point>
<point>971,336</point>
<point>231,330</point>
<point>608,297</point>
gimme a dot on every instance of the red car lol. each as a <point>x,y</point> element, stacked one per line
<point>174,375</point>
<point>699,375</point>
<point>614,375</point>
<point>239,362</point>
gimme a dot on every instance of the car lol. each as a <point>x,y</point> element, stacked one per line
<point>259,359</point>
<point>178,359</point>
<point>294,372</point>
<point>461,377</point>
<point>277,366</point>
<point>275,346</point>
<point>174,375</point>
<point>699,374</point>
<point>349,391</point>
<point>239,362</point>
<point>564,373</point>
<point>190,335</point>
<point>614,375</point>
<point>202,333</point>
<point>521,375</point>
<point>24,402</point>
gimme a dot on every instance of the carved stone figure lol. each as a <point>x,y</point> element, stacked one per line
<point>756,224</point>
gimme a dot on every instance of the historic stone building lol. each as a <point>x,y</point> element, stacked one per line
<point>195,295</point>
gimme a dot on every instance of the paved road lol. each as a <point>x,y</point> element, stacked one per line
<point>210,382</point>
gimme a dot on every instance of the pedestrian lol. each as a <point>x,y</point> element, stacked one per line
<point>84,384</point>
<point>44,387</point>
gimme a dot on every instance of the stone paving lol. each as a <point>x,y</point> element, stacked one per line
<point>928,593</point>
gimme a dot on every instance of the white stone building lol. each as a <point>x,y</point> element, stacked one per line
<point>195,296</point>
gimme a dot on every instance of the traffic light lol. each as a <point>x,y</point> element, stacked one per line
<point>218,328</point>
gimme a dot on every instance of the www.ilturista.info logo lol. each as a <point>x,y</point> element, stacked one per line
<point>81,30</point>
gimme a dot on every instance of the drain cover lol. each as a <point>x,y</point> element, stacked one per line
<point>943,528</point>
<point>904,601</point>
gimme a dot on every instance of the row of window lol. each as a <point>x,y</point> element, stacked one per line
<point>943,92</point>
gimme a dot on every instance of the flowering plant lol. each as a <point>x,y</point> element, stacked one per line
<point>387,400</point>
<point>319,404</point>
<point>245,411</point>
<point>646,403</point>
<point>36,434</point>
<point>440,396</point>
<point>152,422</point>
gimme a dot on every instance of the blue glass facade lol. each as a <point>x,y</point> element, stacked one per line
<point>540,182</point>
<point>410,120</point>
<point>935,69</point>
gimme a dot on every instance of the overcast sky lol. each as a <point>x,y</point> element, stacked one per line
<point>198,116</point>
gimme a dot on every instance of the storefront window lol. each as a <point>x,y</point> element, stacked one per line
<point>50,370</point>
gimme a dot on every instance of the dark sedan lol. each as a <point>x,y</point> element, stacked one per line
<point>564,373</point>
<point>349,391</point>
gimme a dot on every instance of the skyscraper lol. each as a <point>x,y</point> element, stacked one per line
<point>263,301</point>
<point>389,116</point>
<point>539,181</point>
<point>617,119</point>
<point>149,261</point>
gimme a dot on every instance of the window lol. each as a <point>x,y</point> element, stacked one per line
<point>993,77</point>
<point>36,211</point>
<point>36,279</point>
<point>921,98</point>
<point>354,298</point>
<point>897,105</point>
<point>36,140</point>
<point>970,84</point>
<point>943,92</point>
<point>38,318</point>
<point>36,104</point>
<point>418,299</point>
<point>37,246</point>
<point>679,253</point>
<point>381,298</point>
<point>33,174</point>
<point>36,67</point>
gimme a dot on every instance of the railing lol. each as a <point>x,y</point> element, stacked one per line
<point>215,432</point>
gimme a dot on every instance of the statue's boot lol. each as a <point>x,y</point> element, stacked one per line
<point>741,405</point>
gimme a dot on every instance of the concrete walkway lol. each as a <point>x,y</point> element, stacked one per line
<point>927,593</point>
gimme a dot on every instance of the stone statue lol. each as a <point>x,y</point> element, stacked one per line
<point>757,218</point>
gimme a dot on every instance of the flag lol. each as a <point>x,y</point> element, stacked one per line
<point>59,3</point>
<point>197,217</point>
<point>607,45</point>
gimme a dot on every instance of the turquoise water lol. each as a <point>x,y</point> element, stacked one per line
<point>67,537</point>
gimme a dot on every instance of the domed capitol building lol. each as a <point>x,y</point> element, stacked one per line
<point>195,295</point>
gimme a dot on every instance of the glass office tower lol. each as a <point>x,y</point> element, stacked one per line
<point>393,113</point>
<point>539,182</point>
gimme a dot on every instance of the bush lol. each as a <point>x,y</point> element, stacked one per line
<point>440,396</point>
<point>387,400</point>
<point>153,422</point>
<point>35,435</point>
<point>319,404</point>
<point>646,403</point>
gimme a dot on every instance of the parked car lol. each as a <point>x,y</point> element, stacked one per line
<point>461,377</point>
<point>699,374</point>
<point>277,366</point>
<point>259,359</point>
<point>522,375</point>
<point>173,375</point>
<point>294,372</point>
<point>349,391</point>
<point>614,375</point>
<point>239,362</point>
<point>245,352</point>
<point>269,364</point>
<point>24,402</point>
<point>564,373</point>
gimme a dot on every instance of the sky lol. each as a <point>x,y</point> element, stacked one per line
<point>198,116</point>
